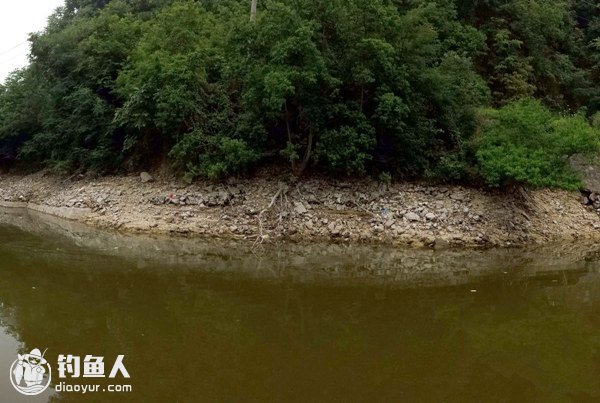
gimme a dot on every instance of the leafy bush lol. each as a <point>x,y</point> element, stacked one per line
<point>453,167</point>
<point>346,149</point>
<point>385,177</point>
<point>526,143</point>
<point>213,157</point>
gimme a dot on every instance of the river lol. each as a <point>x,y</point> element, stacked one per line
<point>215,320</point>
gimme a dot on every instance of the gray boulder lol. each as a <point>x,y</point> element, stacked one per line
<point>299,208</point>
<point>146,177</point>
<point>412,216</point>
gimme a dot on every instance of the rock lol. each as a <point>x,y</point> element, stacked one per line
<point>333,228</point>
<point>220,198</point>
<point>299,208</point>
<point>146,177</point>
<point>157,200</point>
<point>412,216</point>
<point>389,223</point>
<point>459,196</point>
<point>312,199</point>
<point>430,216</point>
<point>588,169</point>
<point>440,243</point>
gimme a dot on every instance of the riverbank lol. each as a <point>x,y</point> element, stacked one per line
<point>265,210</point>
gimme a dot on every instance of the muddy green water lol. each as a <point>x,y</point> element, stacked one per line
<point>208,320</point>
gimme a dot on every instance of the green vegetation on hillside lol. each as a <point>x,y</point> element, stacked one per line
<point>498,91</point>
<point>523,142</point>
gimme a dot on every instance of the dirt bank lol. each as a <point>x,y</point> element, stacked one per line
<point>268,210</point>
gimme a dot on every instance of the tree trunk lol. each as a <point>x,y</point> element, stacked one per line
<point>253,10</point>
<point>299,169</point>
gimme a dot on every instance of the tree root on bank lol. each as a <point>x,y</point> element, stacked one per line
<point>281,195</point>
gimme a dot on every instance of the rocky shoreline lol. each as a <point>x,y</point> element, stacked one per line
<point>265,210</point>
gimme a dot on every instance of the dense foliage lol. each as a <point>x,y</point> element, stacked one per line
<point>525,143</point>
<point>339,86</point>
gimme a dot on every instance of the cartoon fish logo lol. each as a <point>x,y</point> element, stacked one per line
<point>30,374</point>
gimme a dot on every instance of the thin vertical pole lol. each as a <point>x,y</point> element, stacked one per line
<point>253,10</point>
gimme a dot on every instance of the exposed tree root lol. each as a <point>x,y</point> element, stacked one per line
<point>281,195</point>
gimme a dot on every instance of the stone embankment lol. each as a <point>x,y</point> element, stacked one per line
<point>266,210</point>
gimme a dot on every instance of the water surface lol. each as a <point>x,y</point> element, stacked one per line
<point>212,320</point>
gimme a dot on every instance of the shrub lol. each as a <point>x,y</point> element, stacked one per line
<point>347,149</point>
<point>524,142</point>
<point>211,156</point>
